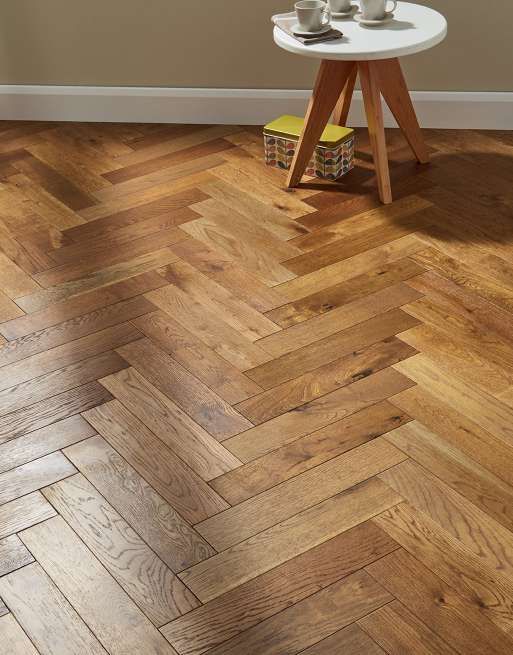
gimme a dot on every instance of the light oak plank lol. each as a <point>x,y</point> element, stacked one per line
<point>113,617</point>
<point>13,555</point>
<point>23,513</point>
<point>47,617</point>
<point>144,577</point>
<point>161,527</point>
<point>194,445</point>
<point>167,474</point>
<point>32,476</point>
<point>13,637</point>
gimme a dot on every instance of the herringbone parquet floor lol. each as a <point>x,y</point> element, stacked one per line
<point>238,420</point>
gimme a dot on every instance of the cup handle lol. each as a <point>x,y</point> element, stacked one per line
<point>327,13</point>
<point>389,11</point>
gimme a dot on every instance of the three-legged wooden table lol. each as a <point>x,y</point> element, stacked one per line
<point>373,53</point>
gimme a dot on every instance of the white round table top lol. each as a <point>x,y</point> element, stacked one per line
<point>413,29</point>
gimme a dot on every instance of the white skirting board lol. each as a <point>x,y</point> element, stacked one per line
<point>442,109</point>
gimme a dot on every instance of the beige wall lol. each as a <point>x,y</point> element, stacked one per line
<point>222,43</point>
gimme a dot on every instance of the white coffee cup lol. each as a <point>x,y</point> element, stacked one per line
<point>312,15</point>
<point>376,9</point>
<point>340,6</point>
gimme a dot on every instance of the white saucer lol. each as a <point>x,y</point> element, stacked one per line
<point>389,16</point>
<point>344,14</point>
<point>299,32</point>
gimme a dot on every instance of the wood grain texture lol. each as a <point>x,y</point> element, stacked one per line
<point>298,493</point>
<point>32,476</point>
<point>79,575</point>
<point>397,630</point>
<point>13,637</point>
<point>285,540</point>
<point>438,605</point>
<point>255,600</point>
<point>167,474</point>
<point>237,417</point>
<point>307,452</point>
<point>193,444</point>
<point>163,529</point>
<point>13,555</point>
<point>23,512</point>
<point>47,618</point>
<point>312,619</point>
<point>145,578</point>
<point>201,403</point>
<point>316,414</point>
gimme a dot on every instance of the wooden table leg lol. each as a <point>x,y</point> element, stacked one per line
<point>394,90</point>
<point>344,102</point>
<point>374,111</point>
<point>330,82</point>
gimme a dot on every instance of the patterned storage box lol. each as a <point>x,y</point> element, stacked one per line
<point>332,157</point>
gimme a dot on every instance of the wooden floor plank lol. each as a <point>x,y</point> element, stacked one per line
<point>461,473</point>
<point>437,605</point>
<point>208,293</point>
<point>13,555</point>
<point>481,534</point>
<point>297,494</point>
<point>194,445</point>
<point>346,269</point>
<point>51,410</point>
<point>485,588</point>
<point>316,414</point>
<point>47,617</point>
<point>79,575</point>
<point>285,540</point>
<point>145,578</point>
<point>343,293</point>
<point>352,640</point>
<point>311,619</point>
<point>273,219</point>
<point>460,432</point>
<point>250,603</point>
<point>313,384</point>
<point>200,360</point>
<point>167,474</point>
<point>12,634</point>
<point>341,318</point>
<point>161,527</point>
<point>201,403</point>
<point>67,355</point>
<point>97,279</point>
<point>307,452</point>
<point>231,274</point>
<point>397,630</point>
<point>29,477</point>
<point>479,407</point>
<point>206,326</point>
<point>81,305</point>
<point>23,513</point>
<point>56,382</point>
